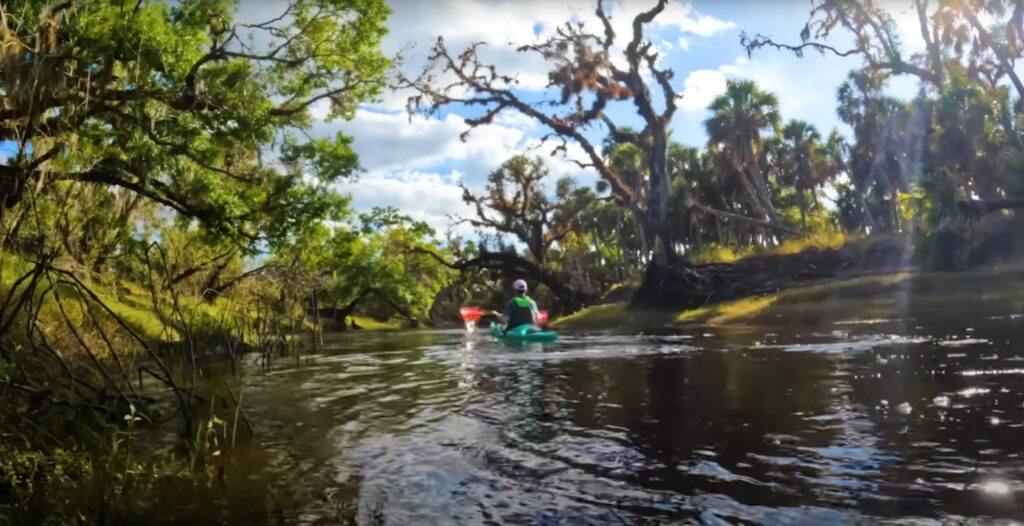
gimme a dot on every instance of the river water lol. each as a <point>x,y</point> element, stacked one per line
<point>864,423</point>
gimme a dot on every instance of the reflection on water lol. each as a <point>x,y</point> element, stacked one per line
<point>853,424</point>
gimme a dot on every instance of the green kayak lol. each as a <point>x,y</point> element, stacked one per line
<point>525,333</point>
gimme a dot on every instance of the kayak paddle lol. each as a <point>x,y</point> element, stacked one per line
<point>471,314</point>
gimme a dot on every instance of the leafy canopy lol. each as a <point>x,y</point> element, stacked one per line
<point>199,113</point>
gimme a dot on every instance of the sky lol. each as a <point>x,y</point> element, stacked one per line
<point>417,165</point>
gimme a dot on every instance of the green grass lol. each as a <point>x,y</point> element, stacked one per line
<point>146,322</point>
<point>131,303</point>
<point>901,295</point>
<point>923,297</point>
<point>621,290</point>
<point>816,241</point>
<point>840,299</point>
<point>612,316</point>
<point>367,323</point>
<point>716,253</point>
<point>727,312</point>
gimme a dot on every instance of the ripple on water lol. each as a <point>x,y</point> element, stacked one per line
<point>715,472</point>
<point>965,342</point>
<point>860,343</point>
<point>622,429</point>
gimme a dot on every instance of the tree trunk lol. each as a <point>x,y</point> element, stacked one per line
<point>802,202</point>
<point>318,330</point>
<point>760,184</point>
<point>210,288</point>
<point>657,196</point>
<point>748,186</point>
<point>868,217</point>
<point>343,313</point>
<point>982,206</point>
<point>643,229</point>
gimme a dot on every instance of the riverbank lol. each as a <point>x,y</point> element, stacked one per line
<point>919,296</point>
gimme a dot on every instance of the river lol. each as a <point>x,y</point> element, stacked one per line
<point>865,422</point>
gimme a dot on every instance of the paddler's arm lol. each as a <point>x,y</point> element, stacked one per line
<point>507,316</point>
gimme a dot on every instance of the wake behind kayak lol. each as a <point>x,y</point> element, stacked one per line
<point>526,333</point>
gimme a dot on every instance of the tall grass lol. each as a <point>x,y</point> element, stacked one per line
<point>715,253</point>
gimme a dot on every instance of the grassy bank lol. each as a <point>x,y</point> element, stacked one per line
<point>72,308</point>
<point>919,296</point>
<point>816,241</point>
<point>366,323</point>
<point>612,316</point>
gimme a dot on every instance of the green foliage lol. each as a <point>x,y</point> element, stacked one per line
<point>377,258</point>
<point>822,240</point>
<point>179,104</point>
<point>931,208</point>
<point>26,471</point>
<point>932,203</point>
<point>714,253</point>
<point>744,111</point>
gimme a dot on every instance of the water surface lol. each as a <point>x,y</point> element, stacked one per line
<point>862,423</point>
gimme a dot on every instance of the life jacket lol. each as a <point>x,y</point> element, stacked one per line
<point>520,312</point>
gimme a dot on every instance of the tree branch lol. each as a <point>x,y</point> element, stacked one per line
<point>510,262</point>
<point>221,288</point>
<point>760,41</point>
<point>744,219</point>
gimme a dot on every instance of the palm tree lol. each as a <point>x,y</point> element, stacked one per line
<point>807,162</point>
<point>875,157</point>
<point>739,117</point>
<point>694,181</point>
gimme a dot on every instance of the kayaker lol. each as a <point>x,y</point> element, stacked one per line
<point>520,310</point>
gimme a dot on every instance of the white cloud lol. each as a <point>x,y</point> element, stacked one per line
<point>701,87</point>
<point>415,172</point>
<point>501,22</point>
<point>425,196</point>
<point>416,166</point>
<point>393,141</point>
<point>683,17</point>
<point>506,24</point>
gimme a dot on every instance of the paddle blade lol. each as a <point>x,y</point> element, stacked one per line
<point>471,313</point>
<point>542,317</point>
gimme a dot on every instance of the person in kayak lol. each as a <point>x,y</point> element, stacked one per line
<point>520,310</point>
